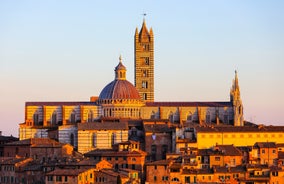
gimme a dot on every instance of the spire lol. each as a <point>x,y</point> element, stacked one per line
<point>144,34</point>
<point>235,96</point>
<point>120,70</point>
<point>236,81</point>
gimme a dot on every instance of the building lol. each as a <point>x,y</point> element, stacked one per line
<point>72,176</point>
<point>41,148</point>
<point>4,140</point>
<point>64,121</point>
<point>124,155</point>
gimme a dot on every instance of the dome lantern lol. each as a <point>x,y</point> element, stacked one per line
<point>120,70</point>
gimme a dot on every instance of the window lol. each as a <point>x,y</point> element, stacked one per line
<point>145,73</point>
<point>164,151</point>
<point>235,175</point>
<point>144,84</point>
<point>144,96</point>
<point>72,139</point>
<point>146,47</point>
<point>187,179</point>
<point>155,178</point>
<point>66,178</point>
<point>208,120</point>
<point>90,116</point>
<point>113,138</point>
<point>36,119</point>
<point>73,117</point>
<point>58,178</point>
<point>49,178</point>
<point>275,173</point>
<point>146,59</point>
<point>273,151</point>
<point>226,118</point>
<point>94,140</point>
<point>217,158</point>
<point>165,178</point>
<point>175,179</point>
<point>54,118</point>
<point>263,151</point>
<point>189,117</point>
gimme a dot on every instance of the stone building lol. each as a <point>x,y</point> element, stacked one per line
<point>37,148</point>
<point>4,140</point>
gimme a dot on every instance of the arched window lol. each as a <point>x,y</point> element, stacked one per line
<point>145,73</point>
<point>54,118</point>
<point>72,139</point>
<point>35,118</point>
<point>144,96</point>
<point>153,115</point>
<point>175,179</point>
<point>171,117</point>
<point>90,116</point>
<point>189,117</point>
<point>113,138</point>
<point>226,119</point>
<point>208,118</point>
<point>94,140</point>
<point>73,117</point>
<point>144,84</point>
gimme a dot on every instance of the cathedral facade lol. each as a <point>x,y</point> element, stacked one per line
<point>104,120</point>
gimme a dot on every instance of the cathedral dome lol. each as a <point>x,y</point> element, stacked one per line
<point>119,88</point>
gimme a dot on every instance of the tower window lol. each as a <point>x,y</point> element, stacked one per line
<point>146,47</point>
<point>146,59</point>
<point>144,73</point>
<point>144,84</point>
<point>144,96</point>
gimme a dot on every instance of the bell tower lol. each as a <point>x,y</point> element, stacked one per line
<point>144,62</point>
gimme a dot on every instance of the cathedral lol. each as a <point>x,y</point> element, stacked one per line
<point>123,111</point>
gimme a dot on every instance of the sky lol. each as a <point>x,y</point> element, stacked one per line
<point>67,50</point>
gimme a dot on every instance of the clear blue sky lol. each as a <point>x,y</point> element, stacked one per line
<point>66,51</point>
